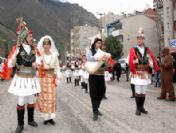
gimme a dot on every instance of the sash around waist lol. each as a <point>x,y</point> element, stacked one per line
<point>25,71</point>
<point>25,75</point>
<point>142,67</point>
<point>49,71</point>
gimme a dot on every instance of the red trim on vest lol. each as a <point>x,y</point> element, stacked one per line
<point>133,56</point>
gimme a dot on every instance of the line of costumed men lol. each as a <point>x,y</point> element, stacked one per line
<point>26,85</point>
<point>141,60</point>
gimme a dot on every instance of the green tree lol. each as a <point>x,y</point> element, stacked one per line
<point>114,47</point>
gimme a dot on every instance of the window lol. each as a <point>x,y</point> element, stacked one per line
<point>174,25</point>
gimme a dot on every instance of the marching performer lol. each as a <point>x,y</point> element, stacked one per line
<point>85,77</point>
<point>24,85</point>
<point>68,72</point>
<point>140,59</point>
<point>76,76</point>
<point>49,77</point>
<point>96,80</point>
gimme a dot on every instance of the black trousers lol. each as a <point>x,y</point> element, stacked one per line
<point>68,80</point>
<point>76,82</point>
<point>97,87</point>
<point>97,91</point>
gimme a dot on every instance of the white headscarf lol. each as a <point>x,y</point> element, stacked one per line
<point>53,48</point>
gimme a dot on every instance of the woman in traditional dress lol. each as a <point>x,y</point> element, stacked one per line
<point>46,101</point>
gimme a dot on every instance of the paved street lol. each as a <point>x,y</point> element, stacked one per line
<point>74,113</point>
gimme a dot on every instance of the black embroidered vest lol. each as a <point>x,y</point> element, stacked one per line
<point>24,59</point>
<point>143,60</point>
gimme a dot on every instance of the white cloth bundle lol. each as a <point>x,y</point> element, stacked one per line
<point>91,67</point>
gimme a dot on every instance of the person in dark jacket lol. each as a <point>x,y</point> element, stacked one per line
<point>96,80</point>
<point>117,70</point>
<point>167,76</point>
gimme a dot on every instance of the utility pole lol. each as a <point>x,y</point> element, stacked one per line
<point>159,32</point>
<point>158,6</point>
<point>101,23</point>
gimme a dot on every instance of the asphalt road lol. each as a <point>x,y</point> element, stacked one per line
<point>74,114</point>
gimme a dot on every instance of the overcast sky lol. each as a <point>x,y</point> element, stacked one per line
<point>115,6</point>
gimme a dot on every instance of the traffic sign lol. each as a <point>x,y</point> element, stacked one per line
<point>172,43</point>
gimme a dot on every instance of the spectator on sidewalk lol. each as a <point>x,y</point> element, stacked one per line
<point>157,74</point>
<point>117,71</point>
<point>167,76</point>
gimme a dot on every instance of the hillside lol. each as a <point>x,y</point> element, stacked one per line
<point>46,17</point>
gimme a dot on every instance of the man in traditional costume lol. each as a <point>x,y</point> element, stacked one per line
<point>24,85</point>
<point>85,77</point>
<point>140,59</point>
<point>76,74</point>
<point>49,77</point>
<point>68,72</point>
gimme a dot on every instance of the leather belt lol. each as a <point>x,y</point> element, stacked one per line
<point>142,67</point>
<point>49,71</point>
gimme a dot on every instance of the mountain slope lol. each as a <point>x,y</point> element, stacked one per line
<point>46,17</point>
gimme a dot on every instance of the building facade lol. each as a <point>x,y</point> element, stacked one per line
<point>167,9</point>
<point>108,18</point>
<point>126,30</point>
<point>80,39</point>
<point>169,20</point>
